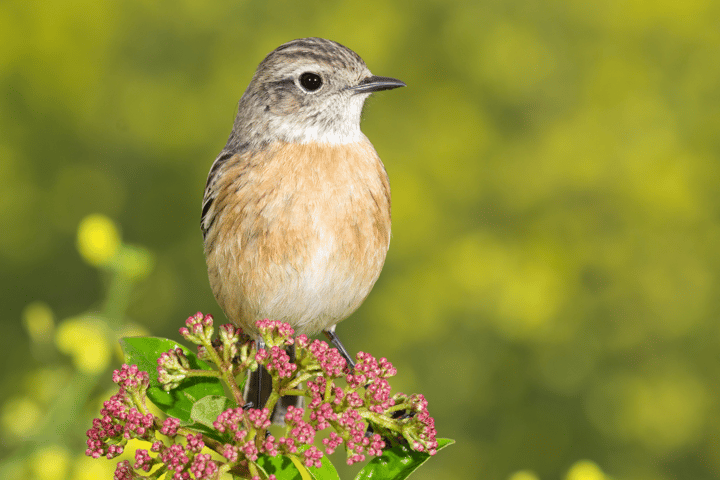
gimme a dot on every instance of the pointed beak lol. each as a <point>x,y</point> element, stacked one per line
<point>375,84</point>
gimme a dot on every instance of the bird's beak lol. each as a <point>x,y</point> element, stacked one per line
<point>375,84</point>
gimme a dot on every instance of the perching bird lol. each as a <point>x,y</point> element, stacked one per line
<point>296,212</point>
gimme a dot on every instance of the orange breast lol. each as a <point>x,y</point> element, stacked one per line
<point>300,233</point>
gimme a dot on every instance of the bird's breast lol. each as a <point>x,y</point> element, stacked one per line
<point>300,233</point>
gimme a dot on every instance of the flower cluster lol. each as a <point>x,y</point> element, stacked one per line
<point>173,367</point>
<point>246,429</point>
<point>275,332</point>
<point>418,427</point>
<point>180,461</point>
<point>123,417</point>
<point>276,360</point>
<point>354,406</point>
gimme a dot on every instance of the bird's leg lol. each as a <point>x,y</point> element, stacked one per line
<point>291,352</point>
<point>330,334</point>
<point>260,344</point>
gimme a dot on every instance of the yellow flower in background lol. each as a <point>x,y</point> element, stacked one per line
<point>585,470</point>
<point>20,416</point>
<point>44,384</point>
<point>50,463</point>
<point>85,340</point>
<point>86,468</point>
<point>39,322</point>
<point>524,475</point>
<point>135,262</point>
<point>98,239</point>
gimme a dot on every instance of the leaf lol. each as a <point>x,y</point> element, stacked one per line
<point>206,410</point>
<point>397,463</point>
<point>144,352</point>
<point>281,466</point>
<point>292,468</point>
<point>204,413</point>
<point>326,472</point>
<point>208,432</point>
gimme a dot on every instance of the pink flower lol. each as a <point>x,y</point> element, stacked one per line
<point>118,423</point>
<point>195,443</point>
<point>203,467</point>
<point>260,419</point>
<point>332,363</point>
<point>123,471</point>
<point>332,442</point>
<point>376,445</point>
<point>279,361</point>
<point>170,426</point>
<point>321,416</point>
<point>230,452</point>
<point>130,378</point>
<point>197,326</point>
<point>312,457</point>
<point>274,327</point>
<point>174,457</point>
<point>143,460</point>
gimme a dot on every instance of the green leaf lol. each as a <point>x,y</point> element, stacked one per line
<point>206,410</point>
<point>281,466</point>
<point>204,413</point>
<point>178,403</point>
<point>287,468</point>
<point>208,432</point>
<point>397,463</point>
<point>326,472</point>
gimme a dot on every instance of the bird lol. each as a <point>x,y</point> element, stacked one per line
<point>296,213</point>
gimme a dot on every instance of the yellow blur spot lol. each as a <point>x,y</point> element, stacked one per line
<point>514,60</point>
<point>86,468</point>
<point>39,322</point>
<point>666,412</point>
<point>524,288</point>
<point>585,470</point>
<point>135,262</point>
<point>50,463</point>
<point>681,18</point>
<point>20,416</point>
<point>133,330</point>
<point>133,446</point>
<point>15,470</point>
<point>98,239</point>
<point>85,340</point>
<point>44,384</point>
<point>524,475</point>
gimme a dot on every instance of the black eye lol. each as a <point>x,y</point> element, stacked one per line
<point>310,81</point>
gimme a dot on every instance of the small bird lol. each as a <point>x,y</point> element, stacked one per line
<point>296,211</point>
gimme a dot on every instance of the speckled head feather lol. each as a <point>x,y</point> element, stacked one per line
<point>319,49</point>
<point>276,106</point>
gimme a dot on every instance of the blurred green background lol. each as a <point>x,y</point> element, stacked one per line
<point>552,283</point>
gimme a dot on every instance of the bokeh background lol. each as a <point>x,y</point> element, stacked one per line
<point>552,284</point>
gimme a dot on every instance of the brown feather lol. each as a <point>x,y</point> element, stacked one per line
<point>298,233</point>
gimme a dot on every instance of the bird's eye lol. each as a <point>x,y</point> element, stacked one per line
<point>310,81</point>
